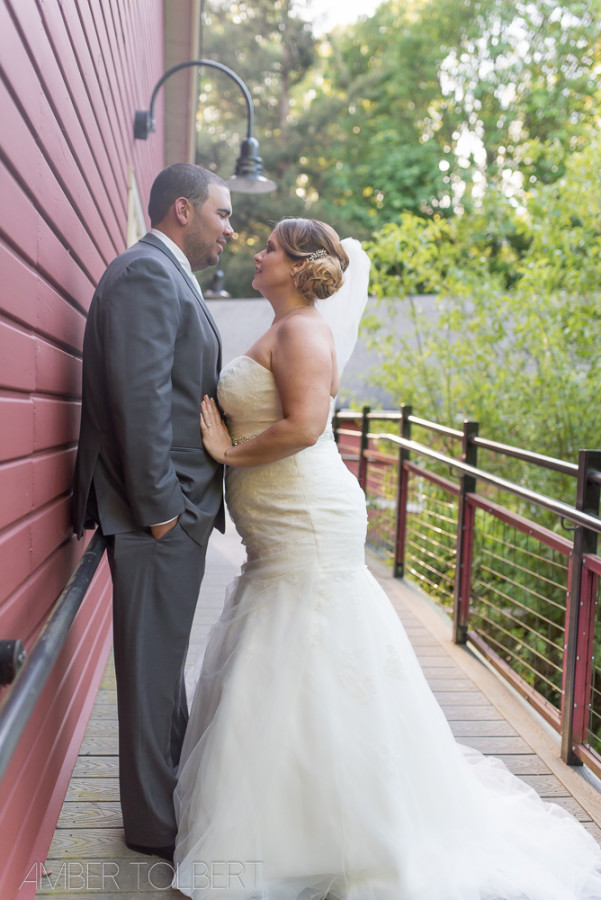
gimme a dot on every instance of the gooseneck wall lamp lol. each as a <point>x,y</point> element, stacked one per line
<point>249,178</point>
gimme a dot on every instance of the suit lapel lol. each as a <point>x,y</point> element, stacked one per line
<point>198,294</point>
<point>156,242</point>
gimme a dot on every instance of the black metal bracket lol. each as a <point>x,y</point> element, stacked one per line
<point>12,657</point>
<point>565,525</point>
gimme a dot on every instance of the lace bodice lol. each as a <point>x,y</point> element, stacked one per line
<point>299,499</point>
<point>249,398</point>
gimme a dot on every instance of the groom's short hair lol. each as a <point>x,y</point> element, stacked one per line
<point>179,180</point>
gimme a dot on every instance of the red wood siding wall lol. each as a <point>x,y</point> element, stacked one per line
<point>72,72</point>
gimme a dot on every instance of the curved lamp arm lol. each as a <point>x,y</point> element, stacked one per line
<point>249,178</point>
<point>144,119</point>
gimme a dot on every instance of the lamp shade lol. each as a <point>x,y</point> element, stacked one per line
<point>249,178</point>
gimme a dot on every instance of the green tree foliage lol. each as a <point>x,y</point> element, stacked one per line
<point>270,47</point>
<point>515,341</point>
<point>422,108</point>
<point>524,73</point>
<point>426,100</point>
<point>366,158</point>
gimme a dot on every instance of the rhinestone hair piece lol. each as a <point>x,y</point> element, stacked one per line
<point>317,254</point>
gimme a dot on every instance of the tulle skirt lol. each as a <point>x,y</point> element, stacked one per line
<point>317,760</point>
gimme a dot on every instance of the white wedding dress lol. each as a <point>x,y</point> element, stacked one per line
<point>316,758</point>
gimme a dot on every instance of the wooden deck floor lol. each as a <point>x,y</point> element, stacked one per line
<point>88,858</point>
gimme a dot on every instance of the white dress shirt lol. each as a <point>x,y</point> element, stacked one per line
<point>179,255</point>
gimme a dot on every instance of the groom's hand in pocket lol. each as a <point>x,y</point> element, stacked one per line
<point>159,531</point>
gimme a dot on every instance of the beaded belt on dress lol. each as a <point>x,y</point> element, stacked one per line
<point>326,436</point>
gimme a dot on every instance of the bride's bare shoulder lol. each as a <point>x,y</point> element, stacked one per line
<point>304,334</point>
<point>309,327</point>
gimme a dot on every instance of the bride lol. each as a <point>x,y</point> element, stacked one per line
<point>316,760</point>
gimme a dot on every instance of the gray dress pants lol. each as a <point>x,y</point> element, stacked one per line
<point>155,589</point>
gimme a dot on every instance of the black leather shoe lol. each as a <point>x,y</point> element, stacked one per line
<point>164,852</point>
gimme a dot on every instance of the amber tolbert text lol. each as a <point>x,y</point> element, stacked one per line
<point>134,875</point>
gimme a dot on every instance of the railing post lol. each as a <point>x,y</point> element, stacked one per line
<point>577,616</point>
<point>402,494</point>
<point>362,470</point>
<point>465,537</point>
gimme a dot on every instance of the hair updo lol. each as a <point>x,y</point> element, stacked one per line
<point>317,278</point>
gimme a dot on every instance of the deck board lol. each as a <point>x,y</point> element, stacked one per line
<point>93,789</point>
<point>484,728</point>
<point>470,712</point>
<point>88,859</point>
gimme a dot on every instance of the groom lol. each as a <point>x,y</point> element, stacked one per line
<point>151,352</point>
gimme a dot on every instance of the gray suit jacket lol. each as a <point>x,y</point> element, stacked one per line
<point>151,352</point>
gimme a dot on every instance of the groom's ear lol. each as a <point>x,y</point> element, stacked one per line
<point>182,208</point>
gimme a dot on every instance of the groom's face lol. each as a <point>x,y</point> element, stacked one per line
<point>208,228</point>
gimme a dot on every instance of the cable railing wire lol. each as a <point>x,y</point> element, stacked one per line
<point>556,506</point>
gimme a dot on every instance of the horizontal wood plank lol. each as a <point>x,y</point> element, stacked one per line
<point>546,785</point>
<point>482,728</point>
<point>435,660</point>
<point>89,843</point>
<point>99,746</point>
<point>571,806</point>
<point>97,766</point>
<point>97,814</point>
<point>16,490</point>
<point>452,685</point>
<point>17,433</point>
<point>468,713</point>
<point>523,763</point>
<point>24,612</point>
<point>15,558</point>
<point>56,423</point>
<point>496,745</point>
<point>594,830</point>
<point>93,790</point>
<point>460,698</point>
<point>52,475</point>
<point>37,242</point>
<point>102,728</point>
<point>24,147</point>
<point>107,696</point>
<point>72,159</point>
<point>17,352</point>
<point>31,300</point>
<point>57,372</point>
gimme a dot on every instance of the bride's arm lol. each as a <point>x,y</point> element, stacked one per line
<point>301,363</point>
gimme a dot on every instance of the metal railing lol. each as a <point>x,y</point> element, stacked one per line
<point>26,689</point>
<point>520,591</point>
